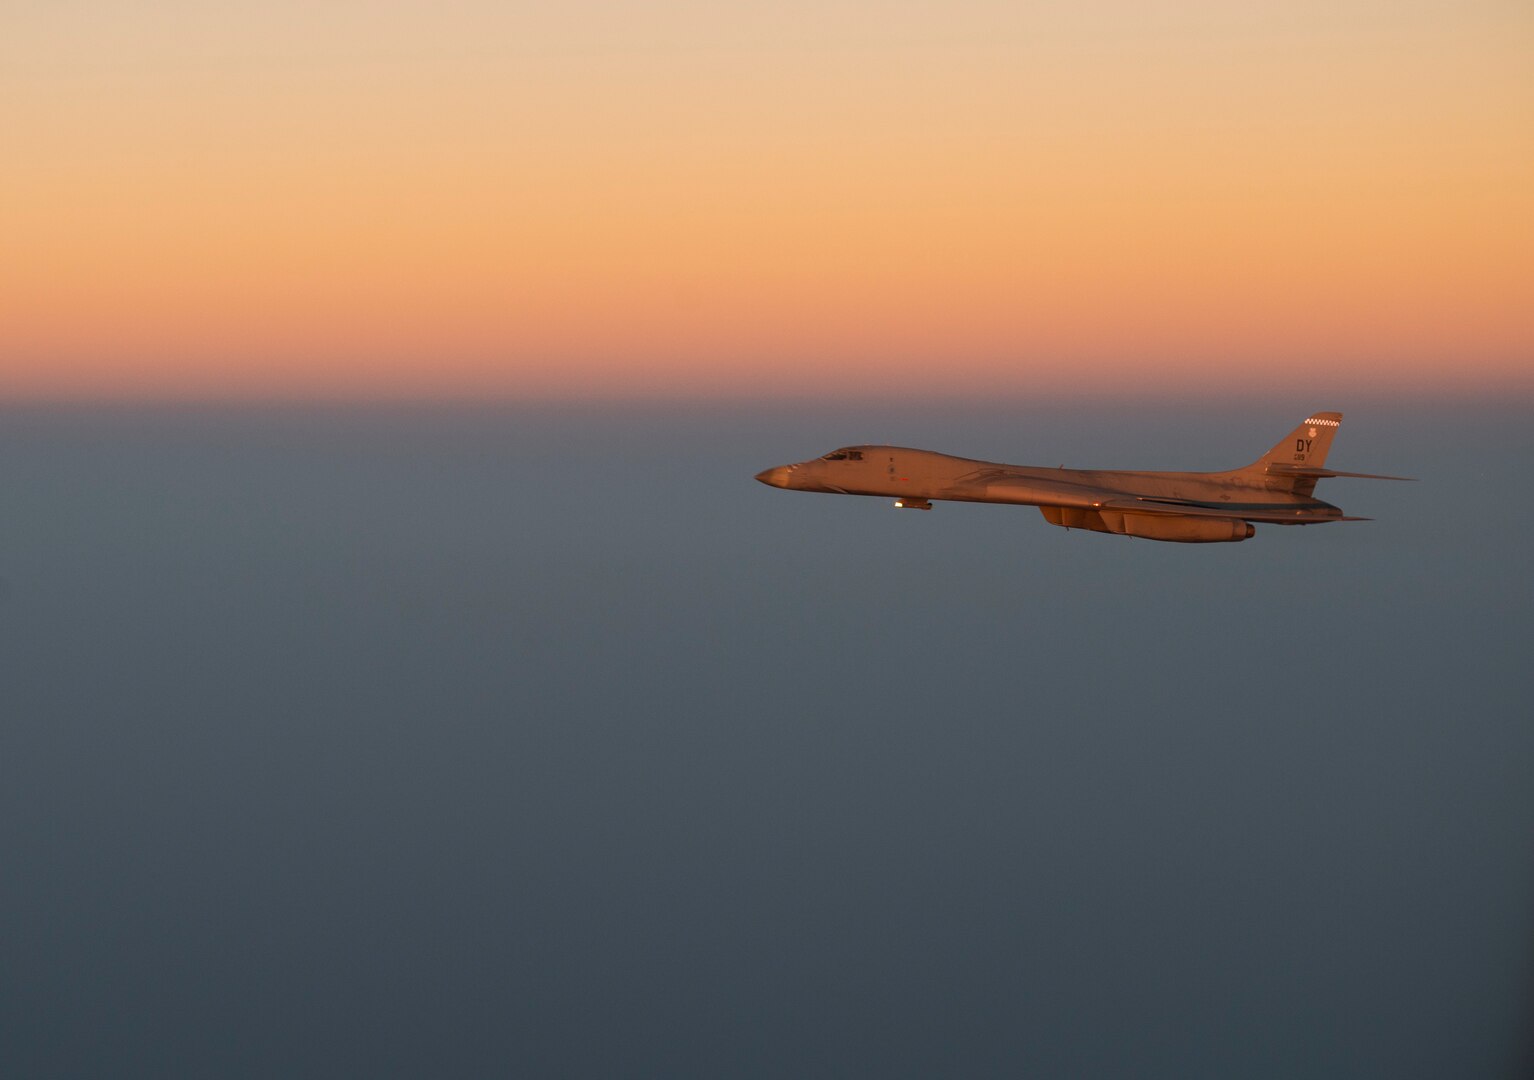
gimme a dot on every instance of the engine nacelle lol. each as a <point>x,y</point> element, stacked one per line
<point>1074,517</point>
<point>1187,530</point>
<point>1174,528</point>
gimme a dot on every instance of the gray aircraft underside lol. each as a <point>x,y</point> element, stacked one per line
<point>1183,507</point>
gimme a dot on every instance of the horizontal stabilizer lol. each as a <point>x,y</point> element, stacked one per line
<point>1322,474</point>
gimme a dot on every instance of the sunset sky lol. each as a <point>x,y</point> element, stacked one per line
<point>388,199</point>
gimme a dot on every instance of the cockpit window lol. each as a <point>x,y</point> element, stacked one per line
<point>844,455</point>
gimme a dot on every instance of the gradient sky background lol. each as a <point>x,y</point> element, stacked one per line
<point>530,200</point>
<point>533,737</point>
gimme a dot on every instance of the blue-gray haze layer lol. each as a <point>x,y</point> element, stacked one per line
<point>432,741</point>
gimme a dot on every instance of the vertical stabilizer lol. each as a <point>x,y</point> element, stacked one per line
<point>1303,448</point>
<point>1306,445</point>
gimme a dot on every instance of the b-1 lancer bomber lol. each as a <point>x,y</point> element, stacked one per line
<point>1182,507</point>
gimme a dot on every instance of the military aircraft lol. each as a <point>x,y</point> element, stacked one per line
<point>1181,507</point>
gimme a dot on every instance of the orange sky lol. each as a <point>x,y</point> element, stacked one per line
<point>386,199</point>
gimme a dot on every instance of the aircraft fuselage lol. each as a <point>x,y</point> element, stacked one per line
<point>1183,507</point>
<point>904,473</point>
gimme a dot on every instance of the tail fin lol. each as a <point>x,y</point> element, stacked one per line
<point>1306,445</point>
<point>1304,449</point>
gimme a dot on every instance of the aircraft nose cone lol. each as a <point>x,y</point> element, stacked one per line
<point>777,476</point>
